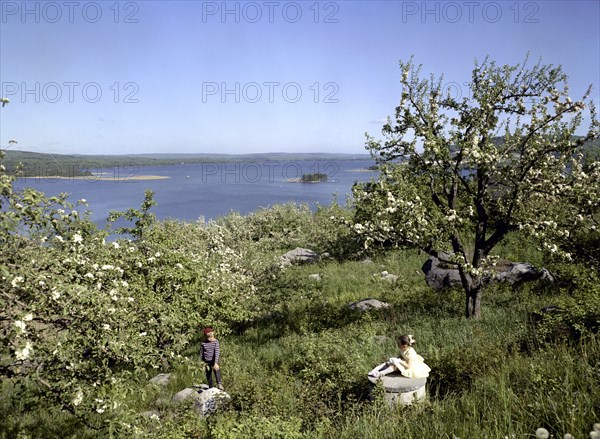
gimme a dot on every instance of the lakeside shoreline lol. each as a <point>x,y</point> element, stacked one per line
<point>98,178</point>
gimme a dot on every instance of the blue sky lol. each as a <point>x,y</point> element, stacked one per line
<point>237,77</point>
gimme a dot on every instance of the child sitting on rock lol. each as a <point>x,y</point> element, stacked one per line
<point>409,364</point>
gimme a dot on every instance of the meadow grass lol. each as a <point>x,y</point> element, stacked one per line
<point>299,370</point>
<point>307,359</point>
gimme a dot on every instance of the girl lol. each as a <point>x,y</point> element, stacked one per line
<point>409,364</point>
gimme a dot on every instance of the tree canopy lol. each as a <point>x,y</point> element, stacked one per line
<point>461,173</point>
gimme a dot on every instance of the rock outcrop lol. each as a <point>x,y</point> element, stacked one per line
<point>162,379</point>
<point>299,256</point>
<point>205,400</point>
<point>440,274</point>
<point>368,304</point>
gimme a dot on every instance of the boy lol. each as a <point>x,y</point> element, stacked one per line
<point>210,353</point>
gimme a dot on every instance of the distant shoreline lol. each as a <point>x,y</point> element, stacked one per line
<point>97,178</point>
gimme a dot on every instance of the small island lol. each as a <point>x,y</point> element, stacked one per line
<point>313,178</point>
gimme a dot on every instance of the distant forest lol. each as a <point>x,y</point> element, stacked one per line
<point>45,165</point>
<point>74,165</point>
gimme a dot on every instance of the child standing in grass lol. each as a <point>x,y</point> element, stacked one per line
<point>209,353</point>
<point>409,364</point>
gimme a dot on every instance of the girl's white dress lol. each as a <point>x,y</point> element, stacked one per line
<point>417,369</point>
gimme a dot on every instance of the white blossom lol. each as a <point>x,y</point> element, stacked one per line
<point>21,326</point>
<point>78,398</point>
<point>25,352</point>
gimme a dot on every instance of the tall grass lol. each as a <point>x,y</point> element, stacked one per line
<point>299,370</point>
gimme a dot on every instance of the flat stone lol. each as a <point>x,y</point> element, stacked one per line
<point>185,394</point>
<point>396,383</point>
<point>162,379</point>
<point>315,277</point>
<point>400,390</point>
<point>439,275</point>
<point>300,255</point>
<point>368,304</point>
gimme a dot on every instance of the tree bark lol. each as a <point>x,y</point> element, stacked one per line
<point>473,305</point>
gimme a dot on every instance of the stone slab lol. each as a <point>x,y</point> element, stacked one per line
<point>396,383</point>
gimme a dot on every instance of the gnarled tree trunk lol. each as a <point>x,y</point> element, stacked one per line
<point>473,305</point>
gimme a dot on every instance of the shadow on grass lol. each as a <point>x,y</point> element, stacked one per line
<point>301,318</point>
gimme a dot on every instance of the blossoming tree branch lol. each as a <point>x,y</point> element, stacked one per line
<point>459,174</point>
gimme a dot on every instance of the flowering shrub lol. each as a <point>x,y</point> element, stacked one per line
<point>85,319</point>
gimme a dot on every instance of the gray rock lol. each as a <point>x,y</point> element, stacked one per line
<point>162,379</point>
<point>519,272</point>
<point>391,278</point>
<point>400,390</point>
<point>396,383</point>
<point>187,393</point>
<point>366,261</point>
<point>388,277</point>
<point>368,304</point>
<point>206,401</point>
<point>210,400</point>
<point>300,255</point>
<point>439,275</point>
<point>200,387</point>
<point>315,277</point>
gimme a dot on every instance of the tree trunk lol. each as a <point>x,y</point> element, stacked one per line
<point>473,308</point>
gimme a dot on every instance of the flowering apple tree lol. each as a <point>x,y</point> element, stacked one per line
<point>459,174</point>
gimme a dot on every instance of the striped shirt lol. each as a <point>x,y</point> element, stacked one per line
<point>210,351</point>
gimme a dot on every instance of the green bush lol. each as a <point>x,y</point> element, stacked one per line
<point>256,426</point>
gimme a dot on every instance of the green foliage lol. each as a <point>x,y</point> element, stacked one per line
<point>143,219</point>
<point>575,311</point>
<point>256,426</point>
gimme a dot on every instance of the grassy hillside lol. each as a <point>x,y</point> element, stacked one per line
<point>297,368</point>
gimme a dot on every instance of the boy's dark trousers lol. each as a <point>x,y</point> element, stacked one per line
<point>209,372</point>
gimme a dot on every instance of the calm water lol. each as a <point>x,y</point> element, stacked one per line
<point>209,190</point>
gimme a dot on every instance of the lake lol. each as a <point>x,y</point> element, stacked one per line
<point>207,190</point>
